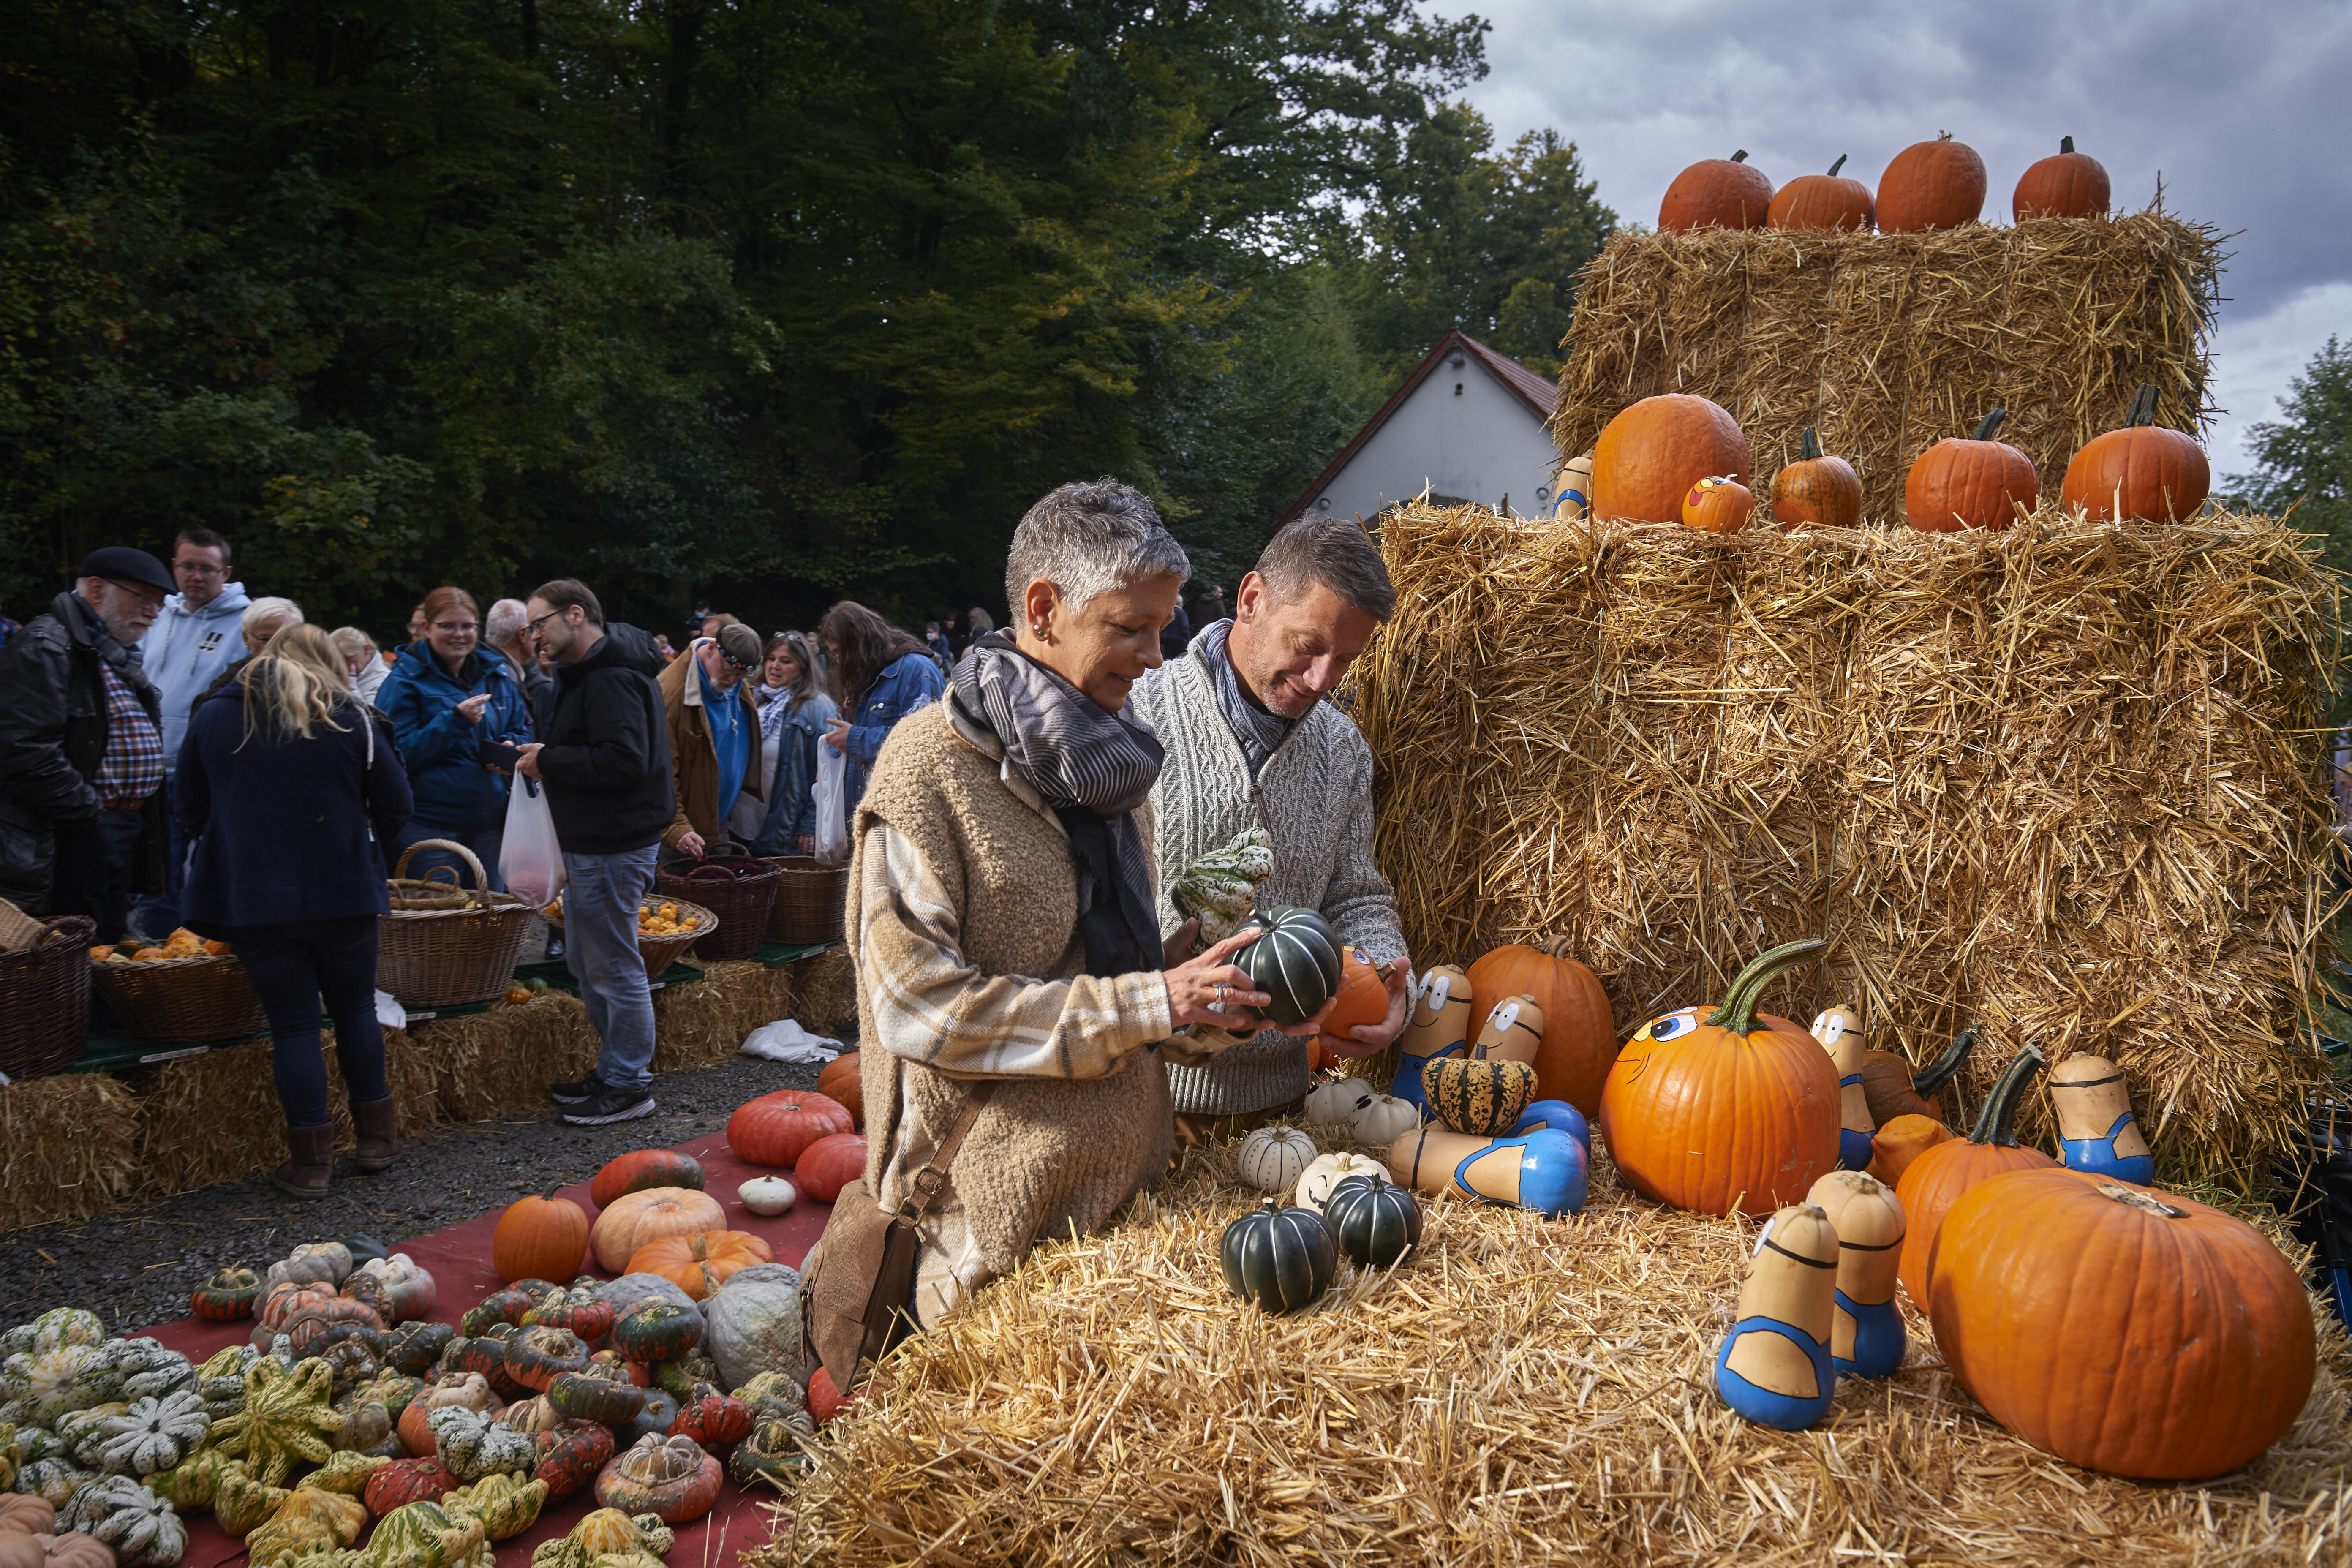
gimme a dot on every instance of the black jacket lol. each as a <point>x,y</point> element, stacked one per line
<point>52,730</point>
<point>606,760</point>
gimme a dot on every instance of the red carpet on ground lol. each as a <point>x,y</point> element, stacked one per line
<point>459,1261</point>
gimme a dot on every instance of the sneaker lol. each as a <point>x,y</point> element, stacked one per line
<point>609,1104</point>
<point>575,1091</point>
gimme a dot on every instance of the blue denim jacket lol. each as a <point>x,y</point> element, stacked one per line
<point>791,802</point>
<point>909,682</point>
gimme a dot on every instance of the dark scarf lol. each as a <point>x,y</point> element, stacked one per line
<point>1259,734</point>
<point>1094,769</point>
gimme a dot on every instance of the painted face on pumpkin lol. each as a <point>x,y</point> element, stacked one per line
<point>1673,1026</point>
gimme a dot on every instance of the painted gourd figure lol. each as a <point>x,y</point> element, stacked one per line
<point>1559,1116</point>
<point>1575,486</point>
<point>1839,1029</point>
<point>1439,1026</point>
<point>2096,1130</point>
<point>1513,1029</point>
<point>1774,1368</point>
<point>1867,1338</point>
<point>1544,1172</point>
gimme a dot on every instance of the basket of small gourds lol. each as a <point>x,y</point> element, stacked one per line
<point>665,929</point>
<point>185,988</point>
<point>43,992</point>
<point>444,945</point>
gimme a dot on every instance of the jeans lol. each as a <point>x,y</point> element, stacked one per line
<point>484,843</point>
<point>293,965</point>
<point>92,875</point>
<point>158,913</point>
<point>601,896</point>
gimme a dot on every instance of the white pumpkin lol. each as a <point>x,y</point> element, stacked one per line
<point>407,1284</point>
<point>1380,1120</point>
<point>1326,1171</point>
<point>1274,1157</point>
<point>768,1195</point>
<point>1329,1104</point>
<point>312,1263</point>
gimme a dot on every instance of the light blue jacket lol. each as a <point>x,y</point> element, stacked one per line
<point>185,649</point>
<point>909,681</point>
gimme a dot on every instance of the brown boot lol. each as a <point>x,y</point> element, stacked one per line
<point>305,1175</point>
<point>379,1144</point>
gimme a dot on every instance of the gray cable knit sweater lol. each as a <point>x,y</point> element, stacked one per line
<point>1315,798</point>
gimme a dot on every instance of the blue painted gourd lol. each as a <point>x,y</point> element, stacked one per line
<point>1544,1172</point>
<point>2097,1132</point>
<point>1281,1258</point>
<point>1374,1221</point>
<point>1839,1029</point>
<point>1439,1025</point>
<point>1558,1115</point>
<point>1295,961</point>
<point>1866,1338</point>
<point>1774,1368</point>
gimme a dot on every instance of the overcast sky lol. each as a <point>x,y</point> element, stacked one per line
<point>2245,108</point>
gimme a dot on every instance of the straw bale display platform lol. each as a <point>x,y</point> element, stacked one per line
<point>1517,1391</point>
<point>2063,781</point>
<point>78,1144</point>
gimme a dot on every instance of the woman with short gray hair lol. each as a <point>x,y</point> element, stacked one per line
<point>1011,980</point>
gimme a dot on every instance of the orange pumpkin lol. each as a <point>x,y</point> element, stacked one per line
<point>2067,183</point>
<point>830,1164</point>
<point>1897,1144</point>
<point>1977,483</point>
<point>1738,1109</point>
<point>1580,1038</point>
<point>539,1238</point>
<point>636,1220</point>
<point>1652,453</point>
<point>1825,491</point>
<point>1824,201</point>
<point>2124,1329</point>
<point>700,1263</point>
<point>774,1129</point>
<point>1931,184</point>
<point>1363,997</point>
<point>1934,1181</point>
<point>840,1083</point>
<point>1716,192</point>
<point>1718,504</point>
<point>1892,1088</point>
<point>2140,473</point>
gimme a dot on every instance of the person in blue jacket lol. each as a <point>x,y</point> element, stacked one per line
<point>793,712</point>
<point>880,674</point>
<point>460,718</point>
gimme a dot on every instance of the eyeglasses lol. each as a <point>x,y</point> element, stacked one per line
<point>532,626</point>
<point>151,597</point>
<point>456,628</point>
<point>197,569</point>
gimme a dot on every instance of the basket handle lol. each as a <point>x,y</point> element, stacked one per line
<point>481,881</point>
<point>704,872</point>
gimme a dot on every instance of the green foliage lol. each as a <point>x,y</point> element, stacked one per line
<point>2306,455</point>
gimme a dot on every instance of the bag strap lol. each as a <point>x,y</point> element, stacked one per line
<point>921,1193</point>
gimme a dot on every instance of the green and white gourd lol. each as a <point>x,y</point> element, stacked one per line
<point>1274,1157</point>
<point>154,1434</point>
<point>144,1531</point>
<point>83,1432</point>
<point>1219,889</point>
<point>1295,961</point>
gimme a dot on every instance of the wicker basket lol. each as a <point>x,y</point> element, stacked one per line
<point>45,999</point>
<point>809,900</point>
<point>732,884</point>
<point>183,999</point>
<point>445,955</point>
<point>661,951</point>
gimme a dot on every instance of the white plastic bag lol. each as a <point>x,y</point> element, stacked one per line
<point>832,805</point>
<point>530,862</point>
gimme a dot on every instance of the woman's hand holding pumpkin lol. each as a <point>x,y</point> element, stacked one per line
<point>1373,1038</point>
<point>1209,990</point>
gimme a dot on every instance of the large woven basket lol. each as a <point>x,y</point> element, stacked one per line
<point>732,884</point>
<point>661,951</point>
<point>461,948</point>
<point>45,999</point>
<point>810,897</point>
<point>183,999</point>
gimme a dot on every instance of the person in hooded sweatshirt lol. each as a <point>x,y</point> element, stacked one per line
<point>459,715</point>
<point>191,644</point>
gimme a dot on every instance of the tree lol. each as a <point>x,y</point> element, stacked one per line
<point>2304,457</point>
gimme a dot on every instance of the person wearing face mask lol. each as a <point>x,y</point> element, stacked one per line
<point>793,711</point>
<point>717,752</point>
<point>460,715</point>
<point>1251,743</point>
<point>81,748</point>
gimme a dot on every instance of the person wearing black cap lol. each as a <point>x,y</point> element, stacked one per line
<point>81,748</point>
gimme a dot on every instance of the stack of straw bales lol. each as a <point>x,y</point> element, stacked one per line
<point>2065,780</point>
<point>1890,343</point>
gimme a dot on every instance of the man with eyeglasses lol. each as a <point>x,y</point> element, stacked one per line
<point>81,748</point>
<point>714,735</point>
<point>192,641</point>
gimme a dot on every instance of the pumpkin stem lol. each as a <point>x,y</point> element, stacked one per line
<point>1811,446</point>
<point>1997,1123</point>
<point>1741,156</point>
<point>2143,406</point>
<point>1838,164</point>
<point>1737,1012</point>
<point>1946,1068</point>
<point>1990,422</point>
<point>2065,143</point>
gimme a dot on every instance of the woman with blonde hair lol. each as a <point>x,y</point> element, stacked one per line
<point>290,786</point>
<point>362,659</point>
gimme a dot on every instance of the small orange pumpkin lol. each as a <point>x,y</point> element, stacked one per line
<point>1821,490</point>
<point>1976,483</point>
<point>700,1263</point>
<point>1931,184</point>
<point>1718,504</point>
<point>2067,183</point>
<point>1363,996</point>
<point>1716,192</point>
<point>539,1238</point>
<point>840,1082</point>
<point>1933,1181</point>
<point>1898,1143</point>
<point>1652,453</point>
<point>2143,472</point>
<point>1824,201</point>
<point>1892,1088</point>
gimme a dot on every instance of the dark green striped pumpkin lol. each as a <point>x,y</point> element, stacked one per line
<point>1294,959</point>
<point>1375,1222</point>
<point>1281,1258</point>
<point>1483,1098</point>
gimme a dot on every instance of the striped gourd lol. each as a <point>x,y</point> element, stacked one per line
<point>1294,959</point>
<point>1482,1099</point>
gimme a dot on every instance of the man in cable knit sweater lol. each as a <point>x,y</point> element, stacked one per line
<point>1250,743</point>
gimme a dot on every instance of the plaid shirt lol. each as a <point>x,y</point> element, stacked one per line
<point>132,766</point>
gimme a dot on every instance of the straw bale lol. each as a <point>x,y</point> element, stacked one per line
<point>68,1147</point>
<point>1519,1391</point>
<point>2063,781</point>
<point>1890,343</point>
<point>501,1062</point>
<point>702,1024</point>
<point>824,993</point>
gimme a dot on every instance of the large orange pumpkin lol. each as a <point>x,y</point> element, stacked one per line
<point>700,1263</point>
<point>1652,453</point>
<point>639,1169</point>
<point>2067,183</point>
<point>1893,1090</point>
<point>774,1129</point>
<point>636,1220</point>
<point>1716,192</point>
<point>2125,1330</point>
<point>840,1082</point>
<point>1737,1110</point>
<point>830,1164</point>
<point>2140,473</point>
<point>1824,201</point>
<point>1580,1038</point>
<point>1931,184</point>
<point>539,1238</point>
<point>1934,1180</point>
<point>1977,483</point>
<point>1821,490</point>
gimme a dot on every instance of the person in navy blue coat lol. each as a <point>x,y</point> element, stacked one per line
<point>461,718</point>
<point>287,787</point>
